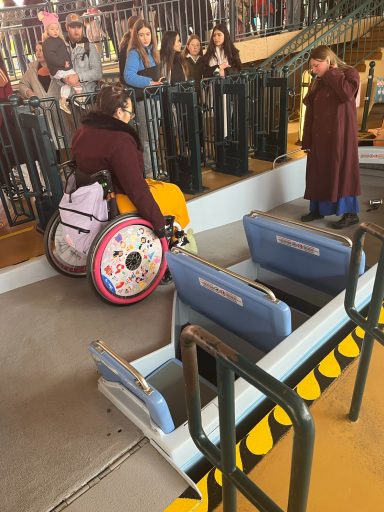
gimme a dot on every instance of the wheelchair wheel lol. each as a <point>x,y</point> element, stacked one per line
<point>126,262</point>
<point>59,254</point>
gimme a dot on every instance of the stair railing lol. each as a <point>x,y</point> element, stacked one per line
<point>358,23</point>
<point>229,362</point>
<point>371,323</point>
<point>305,36</point>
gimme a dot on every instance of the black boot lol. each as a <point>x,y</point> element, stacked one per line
<point>311,216</point>
<point>348,219</point>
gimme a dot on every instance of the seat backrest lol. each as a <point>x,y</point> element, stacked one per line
<point>230,302</point>
<point>112,370</point>
<point>295,252</point>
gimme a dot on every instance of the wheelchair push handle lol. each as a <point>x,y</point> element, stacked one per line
<point>368,324</point>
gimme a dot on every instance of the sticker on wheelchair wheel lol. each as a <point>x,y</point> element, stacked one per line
<point>131,260</point>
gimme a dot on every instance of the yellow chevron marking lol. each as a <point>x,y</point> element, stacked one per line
<point>329,366</point>
<point>219,477</point>
<point>348,347</point>
<point>309,388</point>
<point>183,505</point>
<point>202,485</point>
<point>359,332</point>
<point>281,416</point>
<point>239,464</point>
<point>260,441</point>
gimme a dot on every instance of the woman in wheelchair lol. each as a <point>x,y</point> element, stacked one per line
<point>125,259</point>
<point>107,141</point>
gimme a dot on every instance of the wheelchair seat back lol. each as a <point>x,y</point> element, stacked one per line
<point>307,257</point>
<point>230,302</point>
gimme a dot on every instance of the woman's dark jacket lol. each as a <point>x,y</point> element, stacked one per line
<point>330,133</point>
<point>209,71</point>
<point>177,72</point>
<point>122,60</point>
<point>195,71</point>
<point>104,142</point>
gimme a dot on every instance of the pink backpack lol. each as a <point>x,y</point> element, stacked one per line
<point>83,214</point>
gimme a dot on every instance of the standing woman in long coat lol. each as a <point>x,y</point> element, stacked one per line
<point>330,136</point>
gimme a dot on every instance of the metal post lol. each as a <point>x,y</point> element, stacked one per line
<point>367,346</point>
<point>370,325</point>
<point>368,95</point>
<point>226,398</point>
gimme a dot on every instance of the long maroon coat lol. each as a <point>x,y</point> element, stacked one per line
<point>330,133</point>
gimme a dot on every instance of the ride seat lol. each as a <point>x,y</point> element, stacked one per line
<point>162,399</point>
<point>229,301</point>
<point>295,252</point>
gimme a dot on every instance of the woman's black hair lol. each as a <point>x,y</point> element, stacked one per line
<point>167,52</point>
<point>112,97</point>
<point>230,50</point>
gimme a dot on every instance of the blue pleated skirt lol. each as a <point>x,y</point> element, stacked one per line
<point>349,204</point>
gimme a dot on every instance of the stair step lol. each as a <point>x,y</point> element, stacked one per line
<point>359,54</point>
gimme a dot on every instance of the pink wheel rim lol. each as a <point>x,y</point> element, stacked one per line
<point>129,262</point>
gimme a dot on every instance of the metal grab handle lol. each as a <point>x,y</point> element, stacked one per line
<point>345,239</point>
<point>253,284</point>
<point>368,324</point>
<point>285,154</point>
<point>100,346</point>
<point>228,363</point>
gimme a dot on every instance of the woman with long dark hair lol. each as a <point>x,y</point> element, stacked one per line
<point>222,56</point>
<point>105,140</point>
<point>330,136</point>
<point>172,63</point>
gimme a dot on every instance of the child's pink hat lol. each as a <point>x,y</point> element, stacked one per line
<point>47,18</point>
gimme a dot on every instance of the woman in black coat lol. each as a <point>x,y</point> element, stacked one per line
<point>222,56</point>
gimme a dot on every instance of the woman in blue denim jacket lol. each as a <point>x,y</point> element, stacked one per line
<point>142,70</point>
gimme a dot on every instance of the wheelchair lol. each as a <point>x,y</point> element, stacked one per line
<point>126,260</point>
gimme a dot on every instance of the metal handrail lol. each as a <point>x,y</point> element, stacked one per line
<point>326,37</point>
<point>285,154</point>
<point>100,346</point>
<point>347,241</point>
<point>303,40</point>
<point>369,324</point>
<point>228,363</point>
<point>253,284</point>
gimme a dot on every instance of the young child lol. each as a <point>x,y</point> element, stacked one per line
<point>57,56</point>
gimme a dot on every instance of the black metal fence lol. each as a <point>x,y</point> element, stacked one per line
<point>234,118</point>
<point>20,28</point>
<point>245,114</point>
<point>29,169</point>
